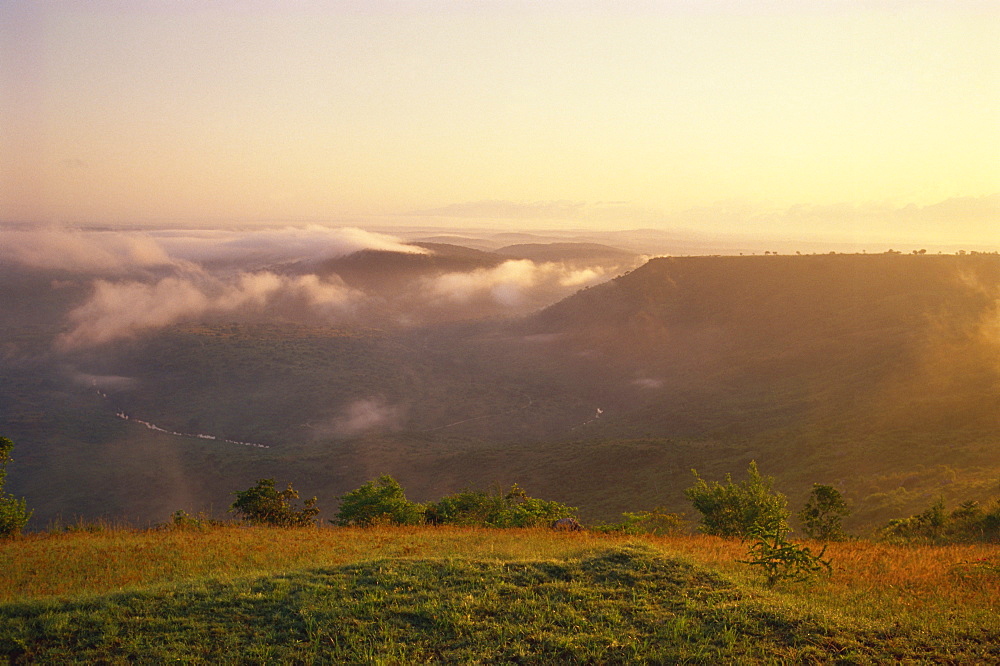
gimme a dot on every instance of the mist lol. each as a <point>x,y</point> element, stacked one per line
<point>89,252</point>
<point>275,246</point>
<point>137,282</point>
<point>363,416</point>
<point>512,283</point>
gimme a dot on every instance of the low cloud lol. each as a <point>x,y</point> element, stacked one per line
<point>363,416</point>
<point>94,252</point>
<point>512,283</point>
<point>270,246</point>
<point>141,281</point>
<point>119,310</point>
<point>114,253</point>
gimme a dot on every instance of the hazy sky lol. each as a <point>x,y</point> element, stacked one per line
<point>786,117</point>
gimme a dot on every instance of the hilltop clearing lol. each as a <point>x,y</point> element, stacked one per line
<point>409,594</point>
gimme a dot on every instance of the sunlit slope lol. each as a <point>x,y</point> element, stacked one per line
<point>734,343</point>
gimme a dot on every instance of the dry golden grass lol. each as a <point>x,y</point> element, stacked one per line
<point>69,564</point>
<point>879,582</point>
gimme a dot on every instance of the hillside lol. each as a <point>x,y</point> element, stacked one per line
<point>876,373</point>
<point>379,270</point>
<point>410,595</point>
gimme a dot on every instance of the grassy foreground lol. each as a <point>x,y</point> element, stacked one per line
<point>406,595</point>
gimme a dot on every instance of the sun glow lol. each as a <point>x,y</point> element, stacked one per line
<point>328,113</point>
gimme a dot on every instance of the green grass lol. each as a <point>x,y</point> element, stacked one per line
<point>416,595</point>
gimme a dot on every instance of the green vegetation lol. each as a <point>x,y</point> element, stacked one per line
<point>782,560</point>
<point>657,522</point>
<point>379,502</point>
<point>383,502</point>
<point>823,514</point>
<point>968,522</point>
<point>739,509</point>
<point>263,504</point>
<point>512,508</point>
<point>14,513</point>
<point>419,594</point>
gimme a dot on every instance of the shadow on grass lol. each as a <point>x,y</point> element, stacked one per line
<point>627,604</point>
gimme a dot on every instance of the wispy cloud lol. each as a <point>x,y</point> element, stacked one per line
<point>100,252</point>
<point>121,310</point>
<point>363,416</point>
<point>511,283</point>
<point>311,243</point>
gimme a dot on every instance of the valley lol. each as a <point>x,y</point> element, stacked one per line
<point>875,373</point>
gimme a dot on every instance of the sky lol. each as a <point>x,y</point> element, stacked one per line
<point>790,118</point>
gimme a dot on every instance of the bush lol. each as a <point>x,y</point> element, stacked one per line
<point>379,502</point>
<point>739,509</point>
<point>783,560</point>
<point>263,504</point>
<point>823,513</point>
<point>14,512</point>
<point>657,522</point>
<point>512,508</point>
<point>967,523</point>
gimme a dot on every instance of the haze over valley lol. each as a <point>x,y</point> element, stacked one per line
<point>589,372</point>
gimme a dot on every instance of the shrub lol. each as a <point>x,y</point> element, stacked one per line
<point>182,520</point>
<point>512,508</point>
<point>378,502</point>
<point>14,512</point>
<point>823,513</point>
<point>263,504</point>
<point>783,560</point>
<point>657,522</point>
<point>968,522</point>
<point>739,509</point>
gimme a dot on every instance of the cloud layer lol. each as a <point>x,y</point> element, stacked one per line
<point>512,283</point>
<point>99,252</point>
<point>269,246</point>
<point>118,310</point>
<point>141,281</point>
<point>119,252</point>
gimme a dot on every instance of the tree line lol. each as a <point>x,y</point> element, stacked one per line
<point>748,509</point>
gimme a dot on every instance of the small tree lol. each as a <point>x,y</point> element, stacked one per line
<point>927,526</point>
<point>781,559</point>
<point>739,509</point>
<point>823,513</point>
<point>263,504</point>
<point>378,502</point>
<point>14,512</point>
